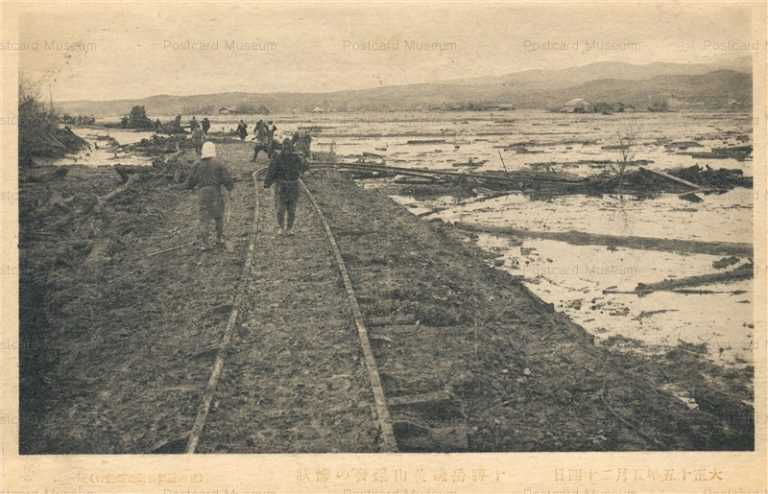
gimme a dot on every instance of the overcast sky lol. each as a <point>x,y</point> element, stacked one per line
<point>182,49</point>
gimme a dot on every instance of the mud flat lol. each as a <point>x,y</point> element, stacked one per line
<point>470,359</point>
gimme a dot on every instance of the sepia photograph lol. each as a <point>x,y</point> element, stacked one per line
<point>249,228</point>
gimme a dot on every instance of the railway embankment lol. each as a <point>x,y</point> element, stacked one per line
<point>122,320</point>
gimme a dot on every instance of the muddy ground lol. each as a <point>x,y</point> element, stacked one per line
<point>117,344</point>
<point>112,337</point>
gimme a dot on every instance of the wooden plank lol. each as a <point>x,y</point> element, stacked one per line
<point>389,443</point>
<point>410,400</point>
<point>671,178</point>
<point>391,321</point>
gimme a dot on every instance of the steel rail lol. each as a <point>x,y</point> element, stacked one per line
<point>218,365</point>
<point>383,417</point>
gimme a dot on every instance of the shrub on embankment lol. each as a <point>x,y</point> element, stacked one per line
<point>39,130</point>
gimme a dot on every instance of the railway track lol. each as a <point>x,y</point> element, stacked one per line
<point>221,408</point>
<point>218,365</point>
<point>258,399</point>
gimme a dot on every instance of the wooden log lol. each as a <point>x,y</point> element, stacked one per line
<point>435,397</point>
<point>116,192</point>
<point>415,181</point>
<point>631,242</point>
<point>671,178</point>
<point>740,273</point>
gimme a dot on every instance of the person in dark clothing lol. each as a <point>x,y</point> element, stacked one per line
<point>242,130</point>
<point>302,143</point>
<point>284,172</point>
<point>197,140</point>
<point>193,123</point>
<point>209,175</point>
<point>260,130</point>
<point>260,135</point>
<point>206,124</point>
<point>270,134</point>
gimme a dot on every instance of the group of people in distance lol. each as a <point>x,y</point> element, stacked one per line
<point>209,175</point>
<point>264,134</point>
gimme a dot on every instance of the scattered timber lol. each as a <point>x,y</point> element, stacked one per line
<point>642,181</point>
<point>514,177</point>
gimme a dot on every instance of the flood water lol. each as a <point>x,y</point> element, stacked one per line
<point>575,277</point>
<point>102,151</point>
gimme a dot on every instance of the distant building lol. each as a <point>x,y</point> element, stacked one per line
<point>226,110</point>
<point>576,105</point>
<point>317,109</point>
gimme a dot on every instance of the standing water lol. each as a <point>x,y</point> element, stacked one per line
<point>584,281</point>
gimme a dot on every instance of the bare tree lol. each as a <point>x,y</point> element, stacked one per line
<point>625,142</point>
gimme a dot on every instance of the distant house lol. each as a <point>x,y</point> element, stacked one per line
<point>576,105</point>
<point>226,110</point>
<point>317,109</point>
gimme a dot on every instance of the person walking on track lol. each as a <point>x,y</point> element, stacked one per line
<point>210,175</point>
<point>284,172</point>
<point>242,130</point>
<point>197,140</point>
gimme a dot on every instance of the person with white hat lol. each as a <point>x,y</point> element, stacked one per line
<point>210,175</point>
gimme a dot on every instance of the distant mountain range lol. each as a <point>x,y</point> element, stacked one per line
<point>684,86</point>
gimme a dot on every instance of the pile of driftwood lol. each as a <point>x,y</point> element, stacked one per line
<point>159,145</point>
<point>687,182</point>
<point>77,218</point>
